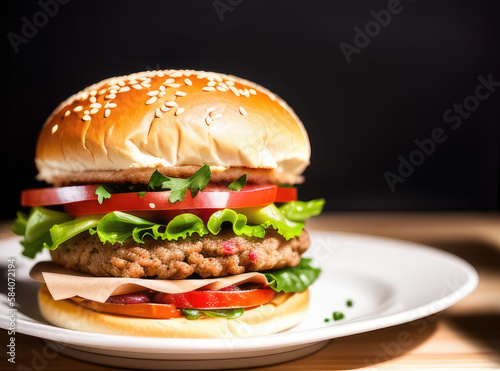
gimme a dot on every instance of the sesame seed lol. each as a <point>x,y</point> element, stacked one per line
<point>208,120</point>
<point>174,85</point>
<point>95,105</point>
<point>84,96</point>
<point>93,99</point>
<point>208,88</point>
<point>253,92</point>
<point>169,81</point>
<point>94,111</point>
<point>151,100</point>
<point>234,90</point>
<point>110,96</point>
<point>162,88</point>
<point>78,109</point>
<point>153,93</point>
<point>230,83</point>
<point>170,104</point>
<point>176,74</point>
<point>145,84</point>
<point>221,88</point>
<point>114,87</point>
<point>152,205</point>
<point>114,91</point>
<point>102,91</point>
<point>243,111</point>
<point>211,109</point>
<point>93,93</point>
<point>179,111</point>
<point>180,93</point>
<point>158,112</point>
<point>54,128</point>
<point>217,116</point>
<point>188,82</point>
<point>110,105</point>
<point>86,112</point>
<point>67,113</point>
<point>211,83</point>
<point>86,118</point>
<point>137,86</point>
<point>107,113</point>
<point>164,108</point>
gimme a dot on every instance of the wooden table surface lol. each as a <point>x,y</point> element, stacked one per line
<point>465,336</point>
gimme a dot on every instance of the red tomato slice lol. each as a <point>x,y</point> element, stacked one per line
<point>57,195</point>
<point>81,200</point>
<point>286,194</point>
<point>143,310</point>
<point>222,299</point>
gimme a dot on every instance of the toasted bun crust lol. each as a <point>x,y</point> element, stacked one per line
<point>122,128</point>
<point>265,320</point>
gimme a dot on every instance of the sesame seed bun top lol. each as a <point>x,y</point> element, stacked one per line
<point>123,128</point>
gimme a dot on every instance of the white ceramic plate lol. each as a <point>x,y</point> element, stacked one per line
<point>389,282</point>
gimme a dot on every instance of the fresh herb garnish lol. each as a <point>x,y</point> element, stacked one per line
<point>218,313</point>
<point>238,184</point>
<point>179,186</point>
<point>102,193</point>
<point>337,316</point>
<point>349,303</point>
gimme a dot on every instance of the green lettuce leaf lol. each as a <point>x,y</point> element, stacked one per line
<point>60,233</point>
<point>35,228</point>
<point>299,211</point>
<point>117,226</point>
<point>238,221</point>
<point>48,228</point>
<point>293,279</point>
<point>270,216</point>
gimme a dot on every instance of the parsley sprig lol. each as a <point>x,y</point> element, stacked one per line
<point>178,186</point>
<point>238,184</point>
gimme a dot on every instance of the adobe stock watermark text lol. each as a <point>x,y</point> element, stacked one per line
<point>453,118</point>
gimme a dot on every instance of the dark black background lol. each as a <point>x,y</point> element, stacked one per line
<point>360,116</point>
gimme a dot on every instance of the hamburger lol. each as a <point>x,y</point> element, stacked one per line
<point>170,209</point>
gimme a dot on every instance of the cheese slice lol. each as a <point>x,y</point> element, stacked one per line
<point>63,283</point>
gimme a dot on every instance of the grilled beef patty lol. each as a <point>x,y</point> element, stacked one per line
<point>208,256</point>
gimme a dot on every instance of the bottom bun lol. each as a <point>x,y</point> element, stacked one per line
<point>281,314</point>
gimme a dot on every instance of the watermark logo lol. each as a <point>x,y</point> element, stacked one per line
<point>32,25</point>
<point>224,6</point>
<point>363,36</point>
<point>424,148</point>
